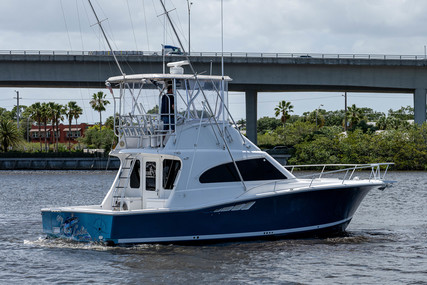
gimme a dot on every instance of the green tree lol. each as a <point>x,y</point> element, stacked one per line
<point>404,113</point>
<point>354,116</point>
<point>266,124</point>
<point>382,123</point>
<point>316,117</point>
<point>109,123</point>
<point>46,114</point>
<point>9,134</point>
<point>72,110</point>
<point>36,113</point>
<point>283,110</point>
<point>269,139</point>
<point>5,113</point>
<point>22,109</point>
<point>154,110</point>
<point>392,123</point>
<point>334,118</point>
<point>320,150</point>
<point>98,103</point>
<point>370,114</point>
<point>56,115</point>
<point>295,133</point>
<point>102,138</point>
<point>241,124</point>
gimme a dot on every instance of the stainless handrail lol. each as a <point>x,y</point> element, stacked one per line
<point>375,170</point>
<point>374,166</point>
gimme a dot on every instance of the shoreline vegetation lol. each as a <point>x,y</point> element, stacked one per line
<point>321,137</point>
<point>358,136</point>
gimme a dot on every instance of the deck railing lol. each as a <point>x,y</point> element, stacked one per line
<point>348,171</point>
<point>142,131</point>
<point>347,174</point>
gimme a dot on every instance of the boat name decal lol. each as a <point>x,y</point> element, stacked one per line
<point>70,228</point>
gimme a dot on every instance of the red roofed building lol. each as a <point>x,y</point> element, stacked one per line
<point>64,133</point>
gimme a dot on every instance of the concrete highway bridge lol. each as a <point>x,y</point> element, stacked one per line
<point>251,73</point>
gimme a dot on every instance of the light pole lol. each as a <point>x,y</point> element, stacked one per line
<point>189,23</point>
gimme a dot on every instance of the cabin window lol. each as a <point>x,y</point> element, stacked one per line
<point>135,176</point>
<point>150,176</point>
<point>250,169</point>
<point>170,172</point>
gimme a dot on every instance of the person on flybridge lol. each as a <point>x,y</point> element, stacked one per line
<point>167,102</point>
<point>167,109</point>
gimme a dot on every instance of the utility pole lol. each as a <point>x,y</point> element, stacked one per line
<point>345,111</point>
<point>17,107</point>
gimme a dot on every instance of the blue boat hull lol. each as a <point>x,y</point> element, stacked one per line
<point>291,213</point>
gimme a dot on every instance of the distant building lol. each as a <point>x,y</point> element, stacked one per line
<point>64,133</point>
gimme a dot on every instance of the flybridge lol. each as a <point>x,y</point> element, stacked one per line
<point>147,118</point>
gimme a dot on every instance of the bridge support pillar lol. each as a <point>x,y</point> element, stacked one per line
<point>420,106</point>
<point>251,115</point>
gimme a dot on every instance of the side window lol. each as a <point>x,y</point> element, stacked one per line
<point>251,170</point>
<point>150,176</point>
<point>135,176</point>
<point>170,172</point>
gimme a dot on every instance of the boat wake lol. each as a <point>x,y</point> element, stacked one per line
<point>64,243</point>
<point>95,246</point>
<point>360,237</point>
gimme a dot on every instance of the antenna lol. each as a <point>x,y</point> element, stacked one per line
<point>222,41</point>
<point>98,22</point>
<point>222,60</point>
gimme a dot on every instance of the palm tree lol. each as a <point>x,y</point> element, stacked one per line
<point>98,103</point>
<point>77,112</point>
<point>72,110</point>
<point>9,134</point>
<point>46,115</point>
<point>35,111</point>
<point>241,124</point>
<point>354,115</point>
<point>283,109</point>
<point>56,112</point>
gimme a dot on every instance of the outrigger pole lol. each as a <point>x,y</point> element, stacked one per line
<point>98,22</point>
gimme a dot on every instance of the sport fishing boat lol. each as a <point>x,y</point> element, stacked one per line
<point>188,174</point>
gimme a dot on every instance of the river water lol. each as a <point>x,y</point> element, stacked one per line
<point>386,243</point>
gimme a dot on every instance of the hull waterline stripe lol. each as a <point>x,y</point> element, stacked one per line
<point>228,236</point>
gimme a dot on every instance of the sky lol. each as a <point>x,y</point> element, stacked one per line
<point>389,27</point>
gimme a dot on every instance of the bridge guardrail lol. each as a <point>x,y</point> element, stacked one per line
<point>217,54</point>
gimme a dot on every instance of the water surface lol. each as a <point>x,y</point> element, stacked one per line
<point>386,242</point>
